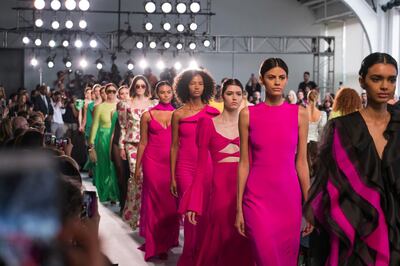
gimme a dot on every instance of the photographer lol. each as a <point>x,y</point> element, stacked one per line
<point>57,123</point>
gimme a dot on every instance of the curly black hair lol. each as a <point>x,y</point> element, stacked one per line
<point>182,81</point>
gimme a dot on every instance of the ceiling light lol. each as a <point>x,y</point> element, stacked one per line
<point>150,7</point>
<point>83,63</point>
<point>34,62</point>
<point>55,5</point>
<point>52,43</point>
<point>143,63</point>
<point>38,22</point>
<point>192,45</point>
<point>195,7</point>
<point>206,43</point>
<point>26,40</point>
<point>193,26</point>
<point>65,43</point>
<point>84,5</point>
<point>78,43</point>
<point>130,64</point>
<point>152,44</point>
<point>178,66</point>
<point>166,7</point>
<point>38,42</point>
<point>99,64</point>
<point>70,4</point>
<point>67,62</point>
<point>139,45</point>
<point>193,64</point>
<point>148,26</point>
<point>39,4</point>
<point>181,8</point>
<point>179,46</point>
<point>93,43</point>
<point>166,26</point>
<point>167,45</point>
<point>160,65</point>
<point>180,27</point>
<point>55,25</point>
<point>82,24</point>
<point>69,24</point>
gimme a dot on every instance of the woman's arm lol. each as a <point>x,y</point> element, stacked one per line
<point>144,123</point>
<point>243,167</point>
<point>82,118</point>
<point>174,149</point>
<point>95,125</point>
<point>122,118</point>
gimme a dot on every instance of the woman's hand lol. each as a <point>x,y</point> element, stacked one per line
<point>174,190</point>
<point>122,153</point>
<point>137,175</point>
<point>307,229</point>
<point>192,217</point>
<point>239,224</point>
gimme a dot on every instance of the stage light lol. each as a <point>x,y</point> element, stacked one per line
<point>178,66</point>
<point>148,26</point>
<point>193,26</point>
<point>34,62</point>
<point>84,5</point>
<point>69,24</point>
<point>38,42</point>
<point>193,64</point>
<point>65,43</point>
<point>166,26</point>
<point>167,45</point>
<point>192,45</point>
<point>55,25</point>
<point>181,8</point>
<point>180,27</point>
<point>50,61</point>
<point>179,46</point>
<point>139,45</point>
<point>82,24</point>
<point>83,63</point>
<point>67,62</point>
<point>55,5</point>
<point>52,43</point>
<point>206,43</point>
<point>195,7</point>
<point>26,40</point>
<point>99,63</point>
<point>78,43</point>
<point>93,43</point>
<point>150,7</point>
<point>39,22</point>
<point>152,44</point>
<point>160,65</point>
<point>143,63</point>
<point>70,4</point>
<point>130,64</point>
<point>39,4</point>
<point>166,7</point>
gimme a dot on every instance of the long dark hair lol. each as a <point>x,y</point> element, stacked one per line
<point>182,81</point>
<point>272,62</point>
<point>376,58</point>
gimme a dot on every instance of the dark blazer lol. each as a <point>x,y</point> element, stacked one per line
<point>40,105</point>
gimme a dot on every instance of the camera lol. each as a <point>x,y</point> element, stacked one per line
<point>89,206</point>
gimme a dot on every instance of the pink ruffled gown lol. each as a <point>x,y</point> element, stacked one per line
<point>223,245</point>
<point>184,173</point>
<point>159,220</point>
<point>272,198</point>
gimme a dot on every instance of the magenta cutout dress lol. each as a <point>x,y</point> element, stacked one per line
<point>272,197</point>
<point>184,173</point>
<point>224,245</point>
<point>159,220</point>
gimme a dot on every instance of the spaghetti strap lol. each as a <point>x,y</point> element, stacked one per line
<point>151,116</point>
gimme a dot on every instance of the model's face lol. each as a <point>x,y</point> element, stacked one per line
<point>140,87</point>
<point>233,97</point>
<point>111,93</point>
<point>300,95</point>
<point>380,83</point>
<point>165,94</point>
<point>196,86</point>
<point>97,92</point>
<point>88,95</point>
<point>290,97</point>
<point>274,81</point>
<point>103,94</point>
<point>123,94</point>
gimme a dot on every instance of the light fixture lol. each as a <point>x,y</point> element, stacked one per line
<point>152,44</point>
<point>178,66</point>
<point>130,64</point>
<point>39,4</point>
<point>139,45</point>
<point>179,46</point>
<point>193,26</point>
<point>70,4</point>
<point>67,62</point>
<point>206,43</point>
<point>83,63</point>
<point>166,7</point>
<point>148,26</point>
<point>192,45</point>
<point>55,5</point>
<point>82,24</point>
<point>160,64</point>
<point>99,63</point>
<point>34,62</point>
<point>69,24</point>
<point>50,61</point>
<point>193,64</point>
<point>65,43</point>
<point>26,40</point>
<point>93,43</point>
<point>181,8</point>
<point>84,5</point>
<point>166,26</point>
<point>78,43</point>
<point>55,25</point>
<point>39,22</point>
<point>167,44</point>
<point>143,63</point>
<point>180,27</point>
<point>38,42</point>
<point>150,7</point>
<point>52,43</point>
<point>195,7</point>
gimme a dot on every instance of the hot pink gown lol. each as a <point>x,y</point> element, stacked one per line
<point>184,173</point>
<point>272,196</point>
<point>223,245</point>
<point>159,220</point>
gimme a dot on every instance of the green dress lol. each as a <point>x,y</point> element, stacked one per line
<point>105,177</point>
<point>88,126</point>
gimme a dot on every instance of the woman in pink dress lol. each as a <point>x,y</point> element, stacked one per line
<point>194,89</point>
<point>274,135</point>
<point>219,136</point>
<point>159,220</point>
